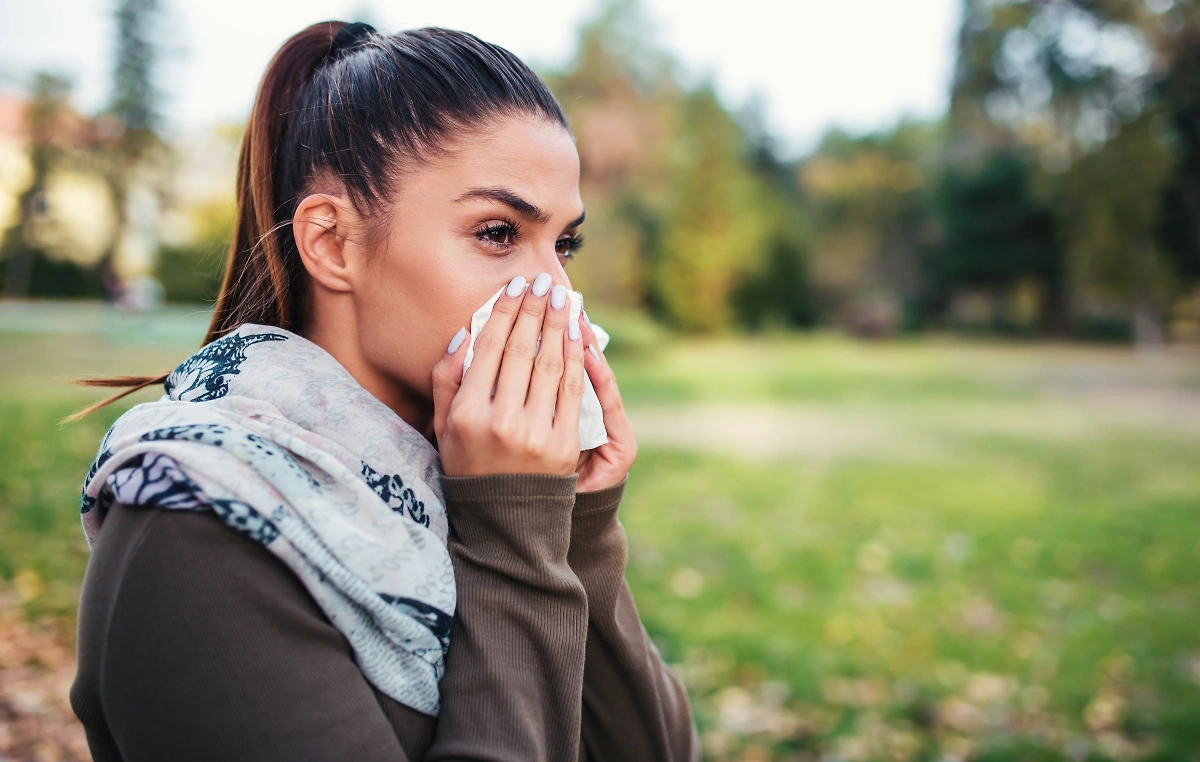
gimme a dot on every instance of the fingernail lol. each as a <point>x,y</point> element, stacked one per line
<point>516,286</point>
<point>558,297</point>
<point>573,330</point>
<point>592,349</point>
<point>586,319</point>
<point>541,284</point>
<point>457,341</point>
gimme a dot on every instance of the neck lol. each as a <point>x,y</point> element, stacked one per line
<point>342,343</point>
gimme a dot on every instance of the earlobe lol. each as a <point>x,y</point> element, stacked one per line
<point>319,226</point>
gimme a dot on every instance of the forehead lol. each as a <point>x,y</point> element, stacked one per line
<point>532,157</point>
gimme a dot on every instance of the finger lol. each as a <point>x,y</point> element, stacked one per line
<point>570,389</point>
<point>589,336</point>
<point>489,344</point>
<point>522,345</point>
<point>604,382</point>
<point>550,363</point>
<point>447,379</point>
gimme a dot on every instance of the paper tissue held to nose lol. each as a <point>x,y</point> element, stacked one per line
<point>591,417</point>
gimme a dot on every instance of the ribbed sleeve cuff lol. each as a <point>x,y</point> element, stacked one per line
<point>508,487</point>
<point>600,501</point>
<point>514,516</point>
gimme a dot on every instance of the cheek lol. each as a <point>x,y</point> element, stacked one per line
<point>412,302</point>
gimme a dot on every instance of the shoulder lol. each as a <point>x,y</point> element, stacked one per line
<point>183,618</point>
<point>152,569</point>
<point>186,557</point>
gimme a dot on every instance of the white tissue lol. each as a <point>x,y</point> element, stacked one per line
<point>591,416</point>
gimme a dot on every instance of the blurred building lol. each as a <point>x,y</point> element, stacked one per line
<point>75,219</point>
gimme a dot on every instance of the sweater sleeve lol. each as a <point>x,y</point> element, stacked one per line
<point>514,673</point>
<point>634,708</point>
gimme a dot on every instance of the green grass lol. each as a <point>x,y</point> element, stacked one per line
<point>40,534</point>
<point>1056,576</point>
<point>1008,572</point>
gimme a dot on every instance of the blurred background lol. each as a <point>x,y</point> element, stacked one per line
<point>905,304</point>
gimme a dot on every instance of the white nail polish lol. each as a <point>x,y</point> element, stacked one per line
<point>541,284</point>
<point>457,341</point>
<point>586,319</point>
<point>592,349</point>
<point>573,330</point>
<point>558,297</point>
<point>516,286</point>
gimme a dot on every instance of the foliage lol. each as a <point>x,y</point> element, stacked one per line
<point>1112,232</point>
<point>32,263</point>
<point>136,99</point>
<point>132,122</point>
<point>191,272</point>
<point>677,202</point>
<point>869,199</point>
<point>1059,194</point>
<point>714,229</point>
<point>49,277</point>
<point>1100,97</point>
<point>780,293</point>
<point>998,233</point>
<point>115,146</point>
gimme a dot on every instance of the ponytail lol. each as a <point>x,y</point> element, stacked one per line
<point>262,284</point>
<point>258,283</point>
<point>341,101</point>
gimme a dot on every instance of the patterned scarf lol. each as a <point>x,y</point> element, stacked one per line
<point>271,434</point>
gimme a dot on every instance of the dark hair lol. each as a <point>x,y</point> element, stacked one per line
<point>343,102</point>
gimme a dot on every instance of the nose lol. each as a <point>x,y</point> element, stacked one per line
<point>550,264</point>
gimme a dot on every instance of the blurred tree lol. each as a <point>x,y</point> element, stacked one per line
<point>622,97</point>
<point>1102,95</point>
<point>1111,203</point>
<point>135,98</point>
<point>779,293</point>
<point>685,199</point>
<point>133,118</point>
<point>715,229</point>
<point>997,235</point>
<point>676,209</point>
<point>870,199</point>
<point>1179,93</point>
<point>191,272</point>
<point>28,269</point>
<point>45,107</point>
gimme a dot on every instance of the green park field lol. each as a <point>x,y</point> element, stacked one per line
<point>934,549</point>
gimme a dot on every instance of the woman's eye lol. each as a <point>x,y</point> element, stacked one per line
<point>498,234</point>
<point>566,247</point>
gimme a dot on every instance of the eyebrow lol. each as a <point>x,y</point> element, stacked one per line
<point>516,203</point>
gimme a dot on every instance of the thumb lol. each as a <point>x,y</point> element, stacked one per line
<point>447,378</point>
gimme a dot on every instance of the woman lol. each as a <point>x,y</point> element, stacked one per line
<point>424,565</point>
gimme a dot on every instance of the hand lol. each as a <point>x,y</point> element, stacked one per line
<point>520,430</point>
<point>606,465</point>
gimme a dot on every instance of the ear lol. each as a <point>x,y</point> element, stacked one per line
<point>322,225</point>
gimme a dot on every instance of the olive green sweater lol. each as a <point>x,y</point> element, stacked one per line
<point>197,644</point>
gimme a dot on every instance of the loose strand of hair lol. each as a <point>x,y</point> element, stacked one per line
<point>134,384</point>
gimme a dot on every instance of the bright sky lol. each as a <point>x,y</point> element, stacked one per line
<point>859,64</point>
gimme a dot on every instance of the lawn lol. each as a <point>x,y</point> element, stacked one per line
<point>909,550</point>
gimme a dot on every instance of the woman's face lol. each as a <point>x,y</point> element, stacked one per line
<point>502,201</point>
